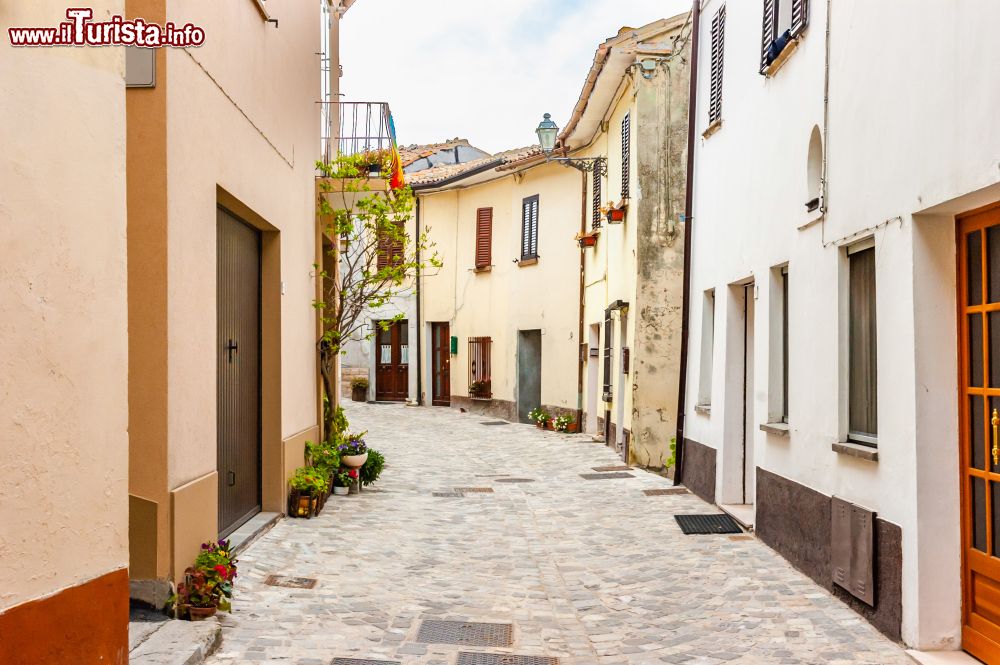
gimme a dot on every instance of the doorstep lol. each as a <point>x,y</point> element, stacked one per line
<point>251,530</point>
<point>943,658</point>
<point>173,642</point>
<point>741,512</point>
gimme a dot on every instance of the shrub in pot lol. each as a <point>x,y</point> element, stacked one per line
<point>307,486</point>
<point>372,468</point>
<point>540,417</point>
<point>208,584</point>
<point>564,424</point>
<point>359,389</point>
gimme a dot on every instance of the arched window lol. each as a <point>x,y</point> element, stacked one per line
<point>814,171</point>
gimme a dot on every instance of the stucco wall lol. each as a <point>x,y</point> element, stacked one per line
<point>895,153</point>
<point>63,362</point>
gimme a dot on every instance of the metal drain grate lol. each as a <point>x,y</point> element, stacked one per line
<point>474,490</point>
<point>495,422</point>
<point>601,476</point>
<point>620,467</point>
<point>666,492</point>
<point>473,658</point>
<point>434,631</point>
<point>449,495</point>
<point>290,582</point>
<point>363,661</point>
<point>514,480</point>
<point>695,524</point>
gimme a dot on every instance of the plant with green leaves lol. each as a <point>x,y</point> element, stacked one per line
<point>323,456</point>
<point>378,264</point>
<point>539,415</point>
<point>309,480</point>
<point>562,423</point>
<point>372,468</point>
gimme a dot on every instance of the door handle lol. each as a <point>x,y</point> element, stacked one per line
<point>996,448</point>
<point>231,478</point>
<point>231,347</point>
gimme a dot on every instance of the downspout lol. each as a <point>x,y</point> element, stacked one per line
<point>688,234</point>
<point>824,192</point>
<point>580,347</point>
<point>420,327</point>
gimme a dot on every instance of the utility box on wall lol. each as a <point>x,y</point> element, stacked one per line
<point>454,345</point>
<point>852,549</point>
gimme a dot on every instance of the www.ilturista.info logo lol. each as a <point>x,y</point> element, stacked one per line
<point>81,30</point>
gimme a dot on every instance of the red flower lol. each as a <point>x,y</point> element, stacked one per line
<point>353,473</point>
<point>222,570</point>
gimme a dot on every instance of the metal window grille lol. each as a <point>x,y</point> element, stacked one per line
<point>480,384</point>
<point>597,199</point>
<point>626,154</point>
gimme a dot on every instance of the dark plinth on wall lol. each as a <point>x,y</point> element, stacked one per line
<point>699,469</point>
<point>795,521</point>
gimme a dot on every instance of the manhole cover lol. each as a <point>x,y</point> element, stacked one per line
<point>473,658</point>
<point>449,495</point>
<point>602,476</point>
<point>514,480</point>
<point>495,422</point>
<point>434,631</point>
<point>666,492</point>
<point>474,490</point>
<point>363,661</point>
<point>693,524</point>
<point>620,467</point>
<point>290,582</point>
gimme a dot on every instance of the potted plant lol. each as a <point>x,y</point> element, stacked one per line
<point>341,483</point>
<point>359,389</point>
<point>540,417</point>
<point>372,468</point>
<point>307,485</point>
<point>208,584</point>
<point>354,481</point>
<point>479,389</point>
<point>616,212</point>
<point>564,424</point>
<point>354,451</point>
<point>587,239</point>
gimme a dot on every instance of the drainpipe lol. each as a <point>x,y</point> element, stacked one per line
<point>580,329</point>
<point>688,233</point>
<point>420,326</point>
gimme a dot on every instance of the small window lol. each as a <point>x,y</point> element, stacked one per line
<point>718,46</point>
<point>484,238</point>
<point>626,154</point>
<point>391,245</point>
<point>862,358</point>
<point>529,228</point>
<point>596,223</point>
<point>480,381</point>
<point>707,348</point>
<point>783,21</point>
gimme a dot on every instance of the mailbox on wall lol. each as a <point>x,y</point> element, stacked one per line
<point>454,345</point>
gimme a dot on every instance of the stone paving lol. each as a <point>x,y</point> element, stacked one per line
<point>593,572</point>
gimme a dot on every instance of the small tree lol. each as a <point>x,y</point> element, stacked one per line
<point>378,260</point>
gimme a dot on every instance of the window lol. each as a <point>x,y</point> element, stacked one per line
<point>391,245</point>
<point>480,383</point>
<point>484,238</point>
<point>784,20</point>
<point>609,338</point>
<point>862,365</point>
<point>626,154</point>
<point>718,46</point>
<point>596,223</point>
<point>784,344</point>
<point>707,348</point>
<point>529,228</point>
<point>777,384</point>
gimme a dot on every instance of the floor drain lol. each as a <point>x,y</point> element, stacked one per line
<point>473,658</point>
<point>449,495</point>
<point>514,480</point>
<point>495,422</point>
<point>696,524</point>
<point>434,631</point>
<point>666,492</point>
<point>474,490</point>
<point>290,582</point>
<point>602,476</point>
<point>363,661</point>
<point>620,467</point>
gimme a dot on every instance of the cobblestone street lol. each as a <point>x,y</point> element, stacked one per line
<point>589,571</point>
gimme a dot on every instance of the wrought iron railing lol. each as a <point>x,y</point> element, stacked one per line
<point>356,127</point>
<point>480,383</point>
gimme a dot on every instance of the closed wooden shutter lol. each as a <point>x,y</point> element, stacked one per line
<point>484,237</point>
<point>718,47</point>
<point>626,154</point>
<point>768,31</point>
<point>529,227</point>
<point>391,247</point>
<point>800,16</point>
<point>609,333</point>
<point>597,199</point>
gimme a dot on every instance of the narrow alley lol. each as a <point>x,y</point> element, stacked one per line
<point>480,521</point>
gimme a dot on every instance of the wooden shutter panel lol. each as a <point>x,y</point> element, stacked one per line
<point>382,251</point>
<point>718,47</point>
<point>534,226</point>
<point>800,16</point>
<point>626,154</point>
<point>768,31</point>
<point>484,237</point>
<point>529,227</point>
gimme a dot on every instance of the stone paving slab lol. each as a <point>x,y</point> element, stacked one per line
<point>176,643</point>
<point>593,573</point>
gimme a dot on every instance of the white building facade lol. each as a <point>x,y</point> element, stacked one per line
<point>846,236</point>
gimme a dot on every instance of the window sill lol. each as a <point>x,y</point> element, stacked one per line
<point>812,217</point>
<point>857,450</point>
<point>713,128</point>
<point>527,262</point>
<point>705,409</point>
<point>480,269</point>
<point>782,58</point>
<point>475,398</point>
<point>778,429</point>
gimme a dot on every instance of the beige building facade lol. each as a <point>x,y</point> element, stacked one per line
<point>63,359</point>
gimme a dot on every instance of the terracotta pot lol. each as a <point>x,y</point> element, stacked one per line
<point>341,491</point>
<point>588,241</point>
<point>358,394</point>
<point>616,215</point>
<point>354,461</point>
<point>201,613</point>
<point>548,425</point>
<point>572,428</point>
<point>539,424</point>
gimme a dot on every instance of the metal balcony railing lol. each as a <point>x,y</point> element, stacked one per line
<point>356,127</point>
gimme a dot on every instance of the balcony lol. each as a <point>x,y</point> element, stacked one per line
<point>355,128</point>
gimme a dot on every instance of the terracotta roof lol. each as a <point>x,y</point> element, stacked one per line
<point>444,172</point>
<point>411,153</point>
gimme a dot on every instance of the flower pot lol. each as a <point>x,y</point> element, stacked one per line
<point>588,241</point>
<point>341,491</point>
<point>300,505</point>
<point>358,394</point>
<point>548,425</point>
<point>539,424</point>
<point>616,215</point>
<point>201,613</point>
<point>354,461</point>
<point>572,428</point>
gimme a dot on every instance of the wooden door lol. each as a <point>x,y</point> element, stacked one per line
<point>238,371</point>
<point>392,367</point>
<point>441,364</point>
<point>979,429</point>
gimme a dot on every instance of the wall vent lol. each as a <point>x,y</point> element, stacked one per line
<point>852,546</point>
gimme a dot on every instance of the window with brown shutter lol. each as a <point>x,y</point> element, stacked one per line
<point>718,47</point>
<point>768,32</point>
<point>783,21</point>
<point>626,154</point>
<point>597,199</point>
<point>390,247</point>
<point>529,228</point>
<point>484,238</point>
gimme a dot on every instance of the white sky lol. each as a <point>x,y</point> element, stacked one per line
<point>485,70</point>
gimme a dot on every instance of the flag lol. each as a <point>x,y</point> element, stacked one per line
<point>398,179</point>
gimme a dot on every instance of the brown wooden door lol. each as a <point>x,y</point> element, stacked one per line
<point>392,366</point>
<point>441,364</point>
<point>238,368</point>
<point>979,429</point>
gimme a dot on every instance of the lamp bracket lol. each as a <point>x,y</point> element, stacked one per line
<point>596,165</point>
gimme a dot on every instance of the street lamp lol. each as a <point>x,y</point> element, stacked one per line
<point>548,131</point>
